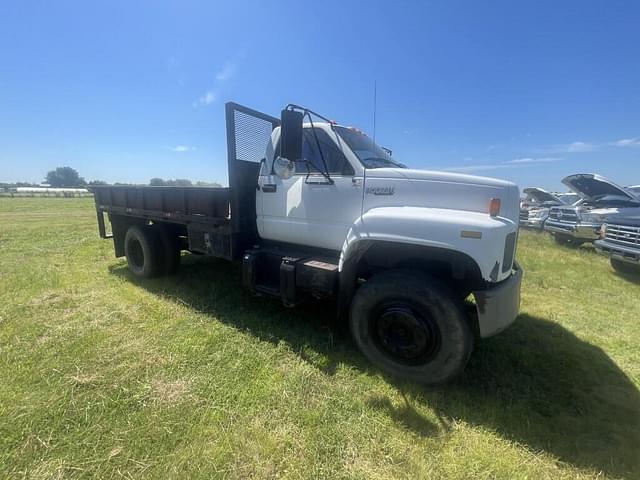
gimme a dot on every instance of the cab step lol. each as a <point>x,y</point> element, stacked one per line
<point>292,277</point>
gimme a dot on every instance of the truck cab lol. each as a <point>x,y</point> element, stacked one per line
<point>364,195</point>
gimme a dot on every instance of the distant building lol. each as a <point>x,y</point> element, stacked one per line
<point>50,190</point>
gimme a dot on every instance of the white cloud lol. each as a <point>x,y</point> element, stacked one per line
<point>476,168</point>
<point>533,160</point>
<point>182,148</point>
<point>580,147</point>
<point>208,98</point>
<point>627,142</point>
<point>226,73</point>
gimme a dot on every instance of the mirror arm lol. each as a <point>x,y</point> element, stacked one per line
<point>276,154</point>
<point>324,163</point>
<point>306,112</point>
<point>293,106</point>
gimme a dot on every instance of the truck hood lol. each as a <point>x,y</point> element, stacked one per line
<point>616,215</point>
<point>591,186</point>
<point>541,196</point>
<point>387,187</point>
<point>435,175</point>
<point>608,214</point>
<point>631,220</point>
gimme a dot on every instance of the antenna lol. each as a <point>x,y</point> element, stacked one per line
<point>375,105</point>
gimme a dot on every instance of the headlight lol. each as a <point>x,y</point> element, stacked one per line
<point>592,217</point>
<point>542,213</point>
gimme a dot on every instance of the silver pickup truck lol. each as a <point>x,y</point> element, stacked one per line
<point>620,241</point>
<point>534,209</point>
<point>601,201</point>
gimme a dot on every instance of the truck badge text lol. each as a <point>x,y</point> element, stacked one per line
<point>380,190</point>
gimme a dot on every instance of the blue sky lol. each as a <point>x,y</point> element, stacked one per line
<point>126,91</point>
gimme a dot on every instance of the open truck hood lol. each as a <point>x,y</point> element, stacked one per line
<point>541,196</point>
<point>590,186</point>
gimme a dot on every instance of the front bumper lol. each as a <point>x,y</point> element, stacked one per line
<point>619,252</point>
<point>499,306</point>
<point>532,222</point>
<point>581,231</point>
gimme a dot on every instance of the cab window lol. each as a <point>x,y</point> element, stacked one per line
<point>337,163</point>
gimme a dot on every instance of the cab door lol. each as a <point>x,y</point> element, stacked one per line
<point>309,209</point>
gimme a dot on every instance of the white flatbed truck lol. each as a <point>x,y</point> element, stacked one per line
<point>315,209</point>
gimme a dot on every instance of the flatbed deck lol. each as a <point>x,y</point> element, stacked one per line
<point>185,205</point>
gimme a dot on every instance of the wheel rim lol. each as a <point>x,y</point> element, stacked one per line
<point>136,254</point>
<point>404,335</point>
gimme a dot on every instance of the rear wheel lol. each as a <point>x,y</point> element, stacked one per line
<point>411,326</point>
<point>624,267</point>
<point>143,251</point>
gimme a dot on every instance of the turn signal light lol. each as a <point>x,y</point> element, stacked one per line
<point>494,207</point>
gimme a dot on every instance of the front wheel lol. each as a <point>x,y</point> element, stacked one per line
<point>624,267</point>
<point>411,326</point>
<point>568,241</point>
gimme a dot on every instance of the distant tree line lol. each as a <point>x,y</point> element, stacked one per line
<point>67,177</point>
<point>180,182</point>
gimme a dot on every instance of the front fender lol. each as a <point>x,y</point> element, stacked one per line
<point>436,227</point>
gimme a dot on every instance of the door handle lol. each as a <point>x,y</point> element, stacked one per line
<point>269,187</point>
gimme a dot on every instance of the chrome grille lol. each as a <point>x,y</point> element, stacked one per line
<point>524,214</point>
<point>564,215</point>
<point>623,234</point>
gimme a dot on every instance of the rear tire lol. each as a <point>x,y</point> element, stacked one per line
<point>411,326</point>
<point>624,267</point>
<point>143,251</point>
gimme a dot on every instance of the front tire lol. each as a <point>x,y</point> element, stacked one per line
<point>411,326</point>
<point>143,251</point>
<point>567,241</point>
<point>624,267</point>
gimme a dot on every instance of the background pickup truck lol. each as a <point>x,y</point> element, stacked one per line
<point>620,240</point>
<point>319,210</point>
<point>534,210</point>
<point>601,200</point>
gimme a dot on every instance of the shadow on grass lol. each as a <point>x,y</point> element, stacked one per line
<point>536,384</point>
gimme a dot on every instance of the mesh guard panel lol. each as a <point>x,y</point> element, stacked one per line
<point>248,133</point>
<point>252,135</point>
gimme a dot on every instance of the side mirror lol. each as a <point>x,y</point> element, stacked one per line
<point>291,135</point>
<point>283,167</point>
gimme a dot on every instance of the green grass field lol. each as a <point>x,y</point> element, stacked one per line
<point>190,376</point>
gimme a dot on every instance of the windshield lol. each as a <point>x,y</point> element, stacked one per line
<point>370,154</point>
